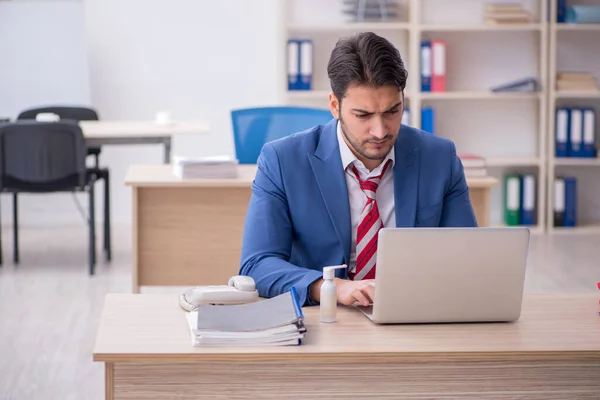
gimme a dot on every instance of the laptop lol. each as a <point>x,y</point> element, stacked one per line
<point>449,275</point>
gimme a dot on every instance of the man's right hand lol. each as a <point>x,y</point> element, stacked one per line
<point>348,292</point>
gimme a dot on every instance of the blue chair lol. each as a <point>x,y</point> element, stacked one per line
<point>253,127</point>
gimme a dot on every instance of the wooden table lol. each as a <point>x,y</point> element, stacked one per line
<point>188,232</point>
<point>551,353</point>
<point>102,133</point>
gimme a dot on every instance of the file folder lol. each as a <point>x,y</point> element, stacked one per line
<point>306,64</point>
<point>561,132</point>
<point>528,200</point>
<point>512,199</point>
<point>559,202</point>
<point>438,76</point>
<point>589,133</point>
<point>428,120</point>
<point>426,62</point>
<point>570,201</point>
<point>293,48</point>
<point>575,143</point>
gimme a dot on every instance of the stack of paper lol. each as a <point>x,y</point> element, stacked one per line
<point>474,165</point>
<point>576,82</point>
<point>205,168</point>
<point>373,10</point>
<point>498,13</point>
<point>277,321</point>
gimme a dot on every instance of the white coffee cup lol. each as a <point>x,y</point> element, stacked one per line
<point>47,117</point>
<point>163,117</point>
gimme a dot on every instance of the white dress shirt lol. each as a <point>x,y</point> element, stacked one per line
<point>384,195</point>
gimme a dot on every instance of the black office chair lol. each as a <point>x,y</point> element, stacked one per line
<point>48,157</point>
<point>67,112</point>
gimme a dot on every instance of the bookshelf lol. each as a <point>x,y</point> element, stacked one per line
<point>572,48</point>
<point>513,131</point>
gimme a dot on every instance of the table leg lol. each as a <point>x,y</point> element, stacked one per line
<point>167,145</point>
<point>109,381</point>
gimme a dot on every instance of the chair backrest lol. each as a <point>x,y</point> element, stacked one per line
<point>42,156</point>
<point>64,112</point>
<point>253,127</point>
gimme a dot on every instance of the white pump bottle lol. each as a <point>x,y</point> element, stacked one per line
<point>328,302</point>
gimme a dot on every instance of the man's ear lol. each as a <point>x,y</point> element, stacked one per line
<point>334,105</point>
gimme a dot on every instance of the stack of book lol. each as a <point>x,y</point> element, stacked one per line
<point>576,82</point>
<point>205,168</point>
<point>277,321</point>
<point>499,13</point>
<point>373,10</point>
<point>473,165</point>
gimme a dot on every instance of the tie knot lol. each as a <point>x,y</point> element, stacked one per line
<point>370,185</point>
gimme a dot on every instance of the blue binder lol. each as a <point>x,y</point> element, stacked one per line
<point>306,64</point>
<point>589,133</point>
<point>561,11</point>
<point>561,131</point>
<point>575,143</point>
<point>426,66</point>
<point>293,58</point>
<point>528,200</point>
<point>428,120</point>
<point>570,201</point>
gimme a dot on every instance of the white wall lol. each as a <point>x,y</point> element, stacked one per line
<point>197,59</point>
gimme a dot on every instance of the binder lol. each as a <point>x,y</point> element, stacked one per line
<point>438,75</point>
<point>528,200</point>
<point>426,66</point>
<point>575,143</point>
<point>306,64</point>
<point>512,199</point>
<point>520,85</point>
<point>293,48</point>
<point>570,218</point>
<point>561,11</point>
<point>559,202</point>
<point>589,133</point>
<point>406,117</point>
<point>561,131</point>
<point>428,120</point>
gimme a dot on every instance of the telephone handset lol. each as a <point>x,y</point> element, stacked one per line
<point>239,290</point>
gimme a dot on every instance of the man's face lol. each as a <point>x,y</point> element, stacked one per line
<point>370,119</point>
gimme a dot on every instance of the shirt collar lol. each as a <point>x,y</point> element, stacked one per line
<point>348,157</point>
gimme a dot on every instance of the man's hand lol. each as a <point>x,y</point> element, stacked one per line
<point>347,291</point>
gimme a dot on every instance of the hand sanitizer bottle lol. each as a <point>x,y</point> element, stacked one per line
<point>328,303</point>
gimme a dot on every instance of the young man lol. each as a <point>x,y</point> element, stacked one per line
<point>320,196</point>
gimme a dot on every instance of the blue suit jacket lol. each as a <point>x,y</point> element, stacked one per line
<point>298,219</point>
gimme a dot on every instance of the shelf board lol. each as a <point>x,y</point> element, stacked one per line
<point>309,94</point>
<point>577,27</point>
<point>349,26</point>
<point>481,28</point>
<point>577,162</point>
<point>512,161</point>
<point>577,95</point>
<point>476,95</point>
<point>576,230</point>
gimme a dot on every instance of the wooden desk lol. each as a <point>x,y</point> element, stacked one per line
<point>101,133</point>
<point>551,353</point>
<point>181,225</point>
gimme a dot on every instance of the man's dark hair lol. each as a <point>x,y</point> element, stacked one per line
<point>365,59</point>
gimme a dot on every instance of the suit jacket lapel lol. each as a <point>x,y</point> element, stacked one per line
<point>327,167</point>
<point>406,177</point>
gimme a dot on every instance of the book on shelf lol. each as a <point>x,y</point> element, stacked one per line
<point>576,82</point>
<point>373,10</point>
<point>277,321</point>
<point>300,53</point>
<point>433,66</point>
<point>506,13</point>
<point>474,165</point>
<point>218,167</point>
<point>565,201</point>
<point>575,132</point>
<point>520,199</point>
<point>528,84</point>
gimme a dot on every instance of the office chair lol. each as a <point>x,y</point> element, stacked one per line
<point>49,157</point>
<point>253,127</point>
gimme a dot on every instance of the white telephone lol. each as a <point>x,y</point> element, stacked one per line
<point>239,290</point>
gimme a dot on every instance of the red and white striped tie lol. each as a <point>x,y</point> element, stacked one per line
<point>368,228</point>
